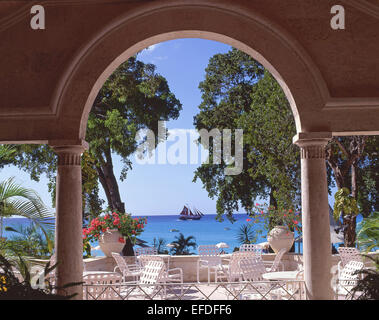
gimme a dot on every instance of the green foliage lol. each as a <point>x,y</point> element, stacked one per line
<point>159,244</point>
<point>344,204</point>
<point>30,241</point>
<point>124,223</point>
<point>246,234</point>
<point>20,201</point>
<point>269,217</point>
<point>13,288</point>
<point>182,245</point>
<point>238,93</point>
<point>368,233</point>
<point>367,287</point>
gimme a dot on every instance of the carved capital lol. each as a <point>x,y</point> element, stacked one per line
<point>312,145</point>
<point>69,155</point>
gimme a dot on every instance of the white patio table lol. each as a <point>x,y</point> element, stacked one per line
<point>281,275</point>
<point>285,276</point>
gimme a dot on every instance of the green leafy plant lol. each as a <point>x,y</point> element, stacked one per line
<point>20,201</point>
<point>159,244</point>
<point>368,233</point>
<point>129,227</point>
<point>368,286</point>
<point>246,234</point>
<point>13,288</point>
<point>269,216</point>
<point>182,244</point>
<point>344,204</point>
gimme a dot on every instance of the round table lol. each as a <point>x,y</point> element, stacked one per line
<point>281,275</point>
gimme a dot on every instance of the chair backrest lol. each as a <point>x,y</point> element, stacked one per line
<point>257,249</point>
<point>144,259</point>
<point>121,263</point>
<point>348,254</point>
<point>152,272</point>
<point>277,260</point>
<point>210,253</point>
<point>95,286</point>
<point>348,276</point>
<point>234,270</point>
<point>252,269</point>
<point>145,251</point>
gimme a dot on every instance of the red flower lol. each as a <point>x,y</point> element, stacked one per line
<point>248,220</point>
<point>295,222</point>
<point>121,240</point>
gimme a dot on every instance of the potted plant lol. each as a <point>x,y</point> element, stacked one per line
<point>281,222</point>
<point>112,229</point>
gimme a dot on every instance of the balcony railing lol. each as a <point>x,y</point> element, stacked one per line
<point>257,290</point>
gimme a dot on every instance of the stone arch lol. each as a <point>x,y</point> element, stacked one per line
<point>248,31</point>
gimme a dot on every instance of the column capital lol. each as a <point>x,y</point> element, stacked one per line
<point>312,144</point>
<point>69,152</point>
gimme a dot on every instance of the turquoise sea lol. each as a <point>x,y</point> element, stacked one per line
<point>206,230</point>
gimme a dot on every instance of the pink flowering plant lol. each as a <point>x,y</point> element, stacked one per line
<point>269,216</point>
<point>123,222</point>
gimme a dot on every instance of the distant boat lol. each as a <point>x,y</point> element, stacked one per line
<point>226,228</point>
<point>190,213</point>
<point>174,230</point>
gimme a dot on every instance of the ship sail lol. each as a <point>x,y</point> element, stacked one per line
<point>189,213</point>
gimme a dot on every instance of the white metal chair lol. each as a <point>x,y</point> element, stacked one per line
<point>256,249</point>
<point>145,251</point>
<point>348,278</point>
<point>277,263</point>
<point>131,270</point>
<point>347,254</point>
<point>210,259</point>
<point>149,284</point>
<point>252,271</point>
<point>232,271</point>
<point>174,275</point>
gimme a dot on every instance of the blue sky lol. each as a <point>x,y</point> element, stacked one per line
<point>161,188</point>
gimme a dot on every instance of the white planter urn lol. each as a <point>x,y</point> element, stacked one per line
<point>109,242</point>
<point>280,237</point>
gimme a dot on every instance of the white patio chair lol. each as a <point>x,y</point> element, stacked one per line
<point>252,272</point>
<point>347,254</point>
<point>149,284</point>
<point>131,270</point>
<point>173,275</point>
<point>210,259</point>
<point>277,263</point>
<point>348,278</point>
<point>232,271</point>
<point>257,249</point>
<point>144,251</point>
<point>102,286</point>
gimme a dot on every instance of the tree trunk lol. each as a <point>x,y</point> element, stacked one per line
<point>110,186</point>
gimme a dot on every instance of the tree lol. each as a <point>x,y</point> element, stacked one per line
<point>182,244</point>
<point>239,93</point>
<point>246,234</point>
<point>20,201</point>
<point>354,162</point>
<point>134,97</point>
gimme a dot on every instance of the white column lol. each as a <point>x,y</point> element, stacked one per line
<point>68,231</point>
<point>315,215</point>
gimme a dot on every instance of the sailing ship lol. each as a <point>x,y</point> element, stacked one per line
<point>189,213</point>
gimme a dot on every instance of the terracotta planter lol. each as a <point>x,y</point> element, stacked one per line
<point>109,243</point>
<point>280,237</point>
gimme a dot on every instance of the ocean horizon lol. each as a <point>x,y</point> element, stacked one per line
<point>206,230</point>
